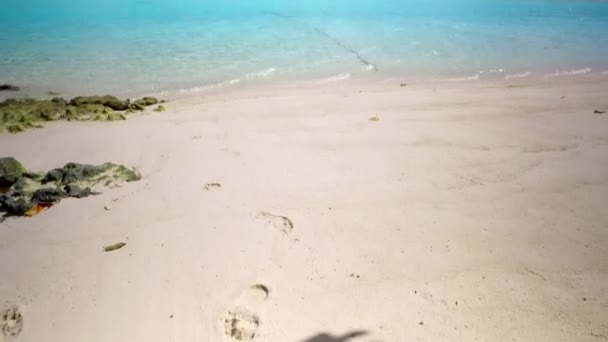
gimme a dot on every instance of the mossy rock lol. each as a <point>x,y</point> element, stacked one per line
<point>146,101</point>
<point>160,108</point>
<point>107,101</point>
<point>136,107</point>
<point>10,170</point>
<point>23,190</point>
<point>19,115</point>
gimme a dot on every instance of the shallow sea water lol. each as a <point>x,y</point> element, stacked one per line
<point>153,46</point>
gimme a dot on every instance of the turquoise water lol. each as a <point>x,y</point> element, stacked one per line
<point>149,46</point>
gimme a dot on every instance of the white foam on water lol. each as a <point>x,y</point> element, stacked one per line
<point>569,72</point>
<point>369,67</point>
<point>467,78</point>
<point>520,75</point>
<point>604,72</point>
<point>261,74</point>
<point>492,71</point>
<point>338,78</point>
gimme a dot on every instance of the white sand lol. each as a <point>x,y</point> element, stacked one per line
<point>469,211</point>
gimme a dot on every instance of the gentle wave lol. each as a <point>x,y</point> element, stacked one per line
<point>521,75</point>
<point>492,71</point>
<point>467,78</point>
<point>338,78</point>
<point>570,72</point>
<point>261,74</point>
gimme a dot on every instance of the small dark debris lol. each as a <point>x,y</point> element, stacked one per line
<point>114,247</point>
<point>171,316</point>
<point>584,299</point>
<point>403,84</point>
<point>421,323</point>
<point>599,111</point>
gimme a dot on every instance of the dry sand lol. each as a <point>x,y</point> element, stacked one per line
<point>467,211</point>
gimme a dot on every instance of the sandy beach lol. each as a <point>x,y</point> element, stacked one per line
<point>437,211</point>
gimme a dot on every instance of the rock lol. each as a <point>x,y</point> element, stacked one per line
<point>19,115</point>
<point>147,101</point>
<point>77,192</point>
<point>9,87</point>
<point>107,101</point>
<point>27,194</point>
<point>73,172</point>
<point>160,108</point>
<point>136,107</point>
<point>55,175</point>
<point>51,195</point>
<point>10,171</point>
<point>15,205</point>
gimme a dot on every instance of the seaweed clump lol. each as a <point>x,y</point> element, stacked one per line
<point>24,193</point>
<point>19,115</point>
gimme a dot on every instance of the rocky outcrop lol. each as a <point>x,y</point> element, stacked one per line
<point>21,191</point>
<point>19,115</point>
<point>105,101</point>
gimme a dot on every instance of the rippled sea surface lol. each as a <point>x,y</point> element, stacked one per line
<point>149,46</point>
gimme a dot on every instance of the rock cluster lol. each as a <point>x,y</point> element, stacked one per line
<point>21,191</point>
<point>19,115</point>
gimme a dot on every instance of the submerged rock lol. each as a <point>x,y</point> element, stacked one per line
<point>24,191</point>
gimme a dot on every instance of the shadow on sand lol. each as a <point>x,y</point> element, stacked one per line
<point>323,337</point>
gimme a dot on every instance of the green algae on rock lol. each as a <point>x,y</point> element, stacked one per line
<point>10,171</point>
<point>106,101</point>
<point>22,191</point>
<point>19,115</point>
<point>160,108</point>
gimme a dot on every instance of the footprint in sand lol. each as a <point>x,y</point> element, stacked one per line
<point>11,321</point>
<point>239,321</point>
<point>282,223</point>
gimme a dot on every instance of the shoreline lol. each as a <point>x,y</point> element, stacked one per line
<point>434,211</point>
<point>370,77</point>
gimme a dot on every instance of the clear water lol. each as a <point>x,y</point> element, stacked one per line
<point>148,46</point>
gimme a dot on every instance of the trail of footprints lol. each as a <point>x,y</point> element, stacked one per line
<point>240,322</point>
